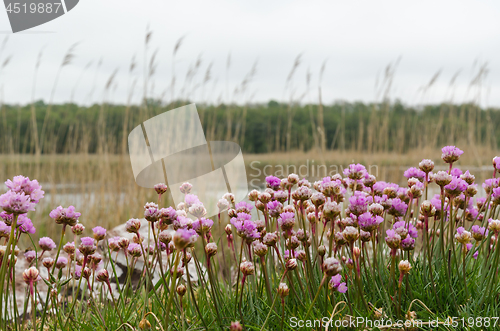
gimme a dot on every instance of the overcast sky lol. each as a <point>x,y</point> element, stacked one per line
<point>358,39</point>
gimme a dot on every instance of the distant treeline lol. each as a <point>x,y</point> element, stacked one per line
<point>261,128</point>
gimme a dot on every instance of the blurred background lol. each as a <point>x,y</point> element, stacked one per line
<point>382,83</point>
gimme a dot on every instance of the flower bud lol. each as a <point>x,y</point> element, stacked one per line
<point>270,239</point>
<point>365,236</point>
<point>283,290</point>
<point>165,237</point>
<point>331,266</point>
<point>102,275</point>
<point>300,255</point>
<point>427,209</point>
<point>211,249</point>
<point>322,250</point>
<point>404,267</point>
<point>259,248</point>
<point>247,268</point>
<point>133,225</point>
<point>376,209</point>
<point>77,229</point>
<point>232,213</point>
<point>426,165</point>
<point>291,264</point>
<point>356,252</point>
<point>123,242</point>
<point>181,290</point>
<point>30,275</point>
<point>235,326</point>
<point>160,188</point>
<point>48,262</point>
<point>350,234</point>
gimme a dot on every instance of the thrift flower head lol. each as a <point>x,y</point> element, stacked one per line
<point>198,210</point>
<point>167,215</point>
<point>410,229</point>
<point>369,223</point>
<point>184,237</point>
<point>66,216</point>
<point>99,233</point>
<point>31,188</point>
<point>355,171</point>
<point>245,227</point>
<point>398,207</point>
<point>358,203</point>
<point>350,234</point>
<point>77,229</point>
<point>408,244</point>
<point>404,267</point>
<point>69,247</point>
<point>479,233</point>
<point>302,193</point>
<point>243,207</point>
<point>496,163</point>
<point>160,188</point>
<point>151,212</point>
<point>336,284</point>
<point>283,290</point>
<point>331,266</point>
<point>318,199</point>
<point>456,172</point>
<point>229,197</point>
<point>451,154</point>
<point>331,209</point>
<point>202,225</point>
<point>185,188</point>
<point>286,221</point>
<point>455,187</point>
<point>273,182</point>
<point>31,276</point>
<point>259,248</point>
<point>16,203</point>
<point>392,239</point>
<point>46,244</point>
<point>102,276</point>
<point>25,225</point>
<point>426,165</point>
<point>6,217</point>
<point>442,178</point>
<point>87,246</point>
<point>4,230</point>
<point>275,208</point>
<point>415,173</point>
<point>463,236</point>
<point>61,262</point>
<point>30,256</point>
<point>247,268</point>
<point>134,250</point>
<point>48,262</point>
<point>223,204</point>
<point>490,184</point>
<point>235,326</point>
<point>133,225</point>
<point>191,199</point>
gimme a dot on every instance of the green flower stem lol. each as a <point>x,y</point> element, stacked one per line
<point>315,297</point>
<point>193,296</point>
<point>59,248</point>
<point>173,280</point>
<point>3,268</point>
